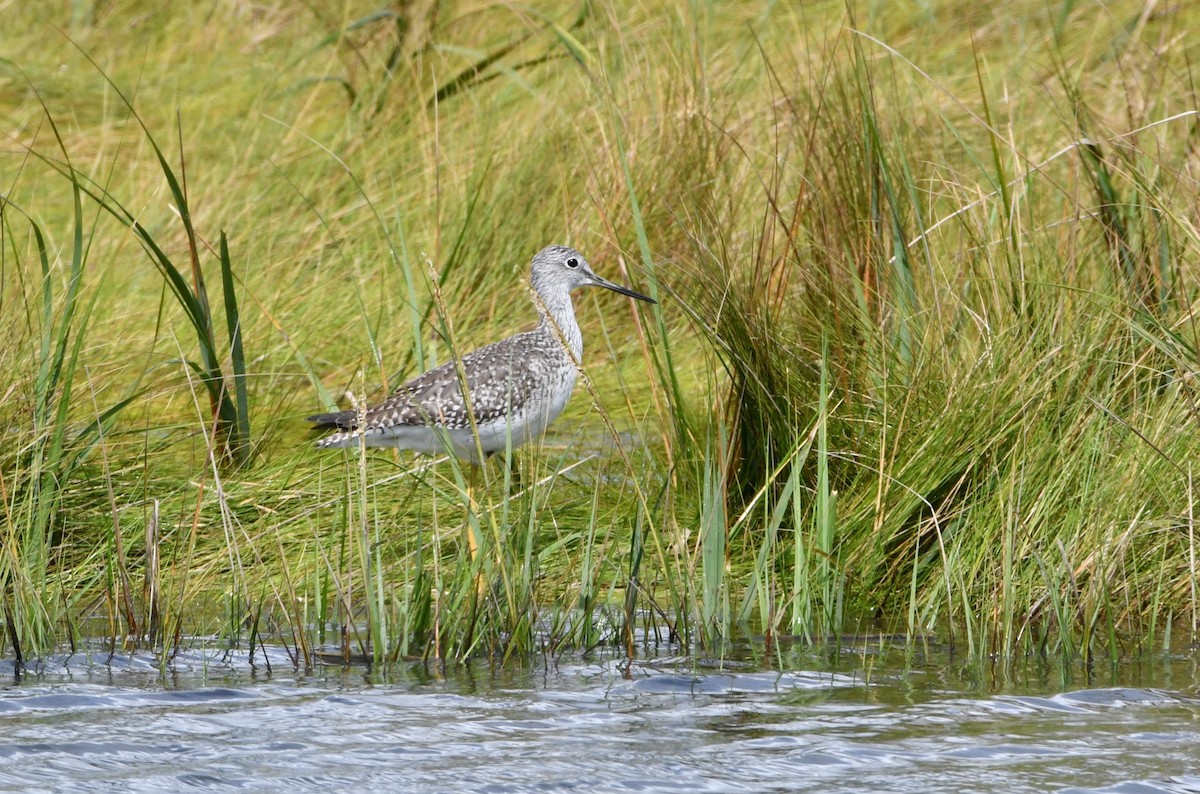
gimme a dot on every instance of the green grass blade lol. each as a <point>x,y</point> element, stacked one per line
<point>239,443</point>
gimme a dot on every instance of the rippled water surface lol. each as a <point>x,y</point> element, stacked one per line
<point>851,722</point>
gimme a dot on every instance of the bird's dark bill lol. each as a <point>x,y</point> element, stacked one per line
<point>600,282</point>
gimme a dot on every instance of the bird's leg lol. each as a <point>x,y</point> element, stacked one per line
<point>514,474</point>
<point>476,525</point>
<point>473,508</point>
<point>508,462</point>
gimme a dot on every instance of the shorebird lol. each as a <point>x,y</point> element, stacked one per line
<point>514,388</point>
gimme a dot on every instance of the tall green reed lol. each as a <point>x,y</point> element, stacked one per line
<point>49,456</point>
<point>227,395</point>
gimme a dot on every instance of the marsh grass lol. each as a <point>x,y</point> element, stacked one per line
<point>924,358</point>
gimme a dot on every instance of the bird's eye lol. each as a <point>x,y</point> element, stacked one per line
<point>572,262</point>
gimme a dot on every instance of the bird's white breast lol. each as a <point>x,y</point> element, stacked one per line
<point>530,422</point>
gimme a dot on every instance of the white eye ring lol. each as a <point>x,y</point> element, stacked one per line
<point>572,262</point>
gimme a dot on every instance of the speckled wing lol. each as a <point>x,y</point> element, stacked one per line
<point>501,377</point>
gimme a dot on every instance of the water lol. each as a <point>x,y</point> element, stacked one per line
<point>855,722</point>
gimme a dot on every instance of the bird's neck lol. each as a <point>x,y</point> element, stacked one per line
<point>558,318</point>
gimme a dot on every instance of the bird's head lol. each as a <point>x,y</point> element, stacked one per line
<point>558,269</point>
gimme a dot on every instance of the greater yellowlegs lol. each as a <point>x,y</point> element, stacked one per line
<point>515,387</point>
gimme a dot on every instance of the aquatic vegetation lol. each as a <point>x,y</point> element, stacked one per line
<point>924,354</point>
